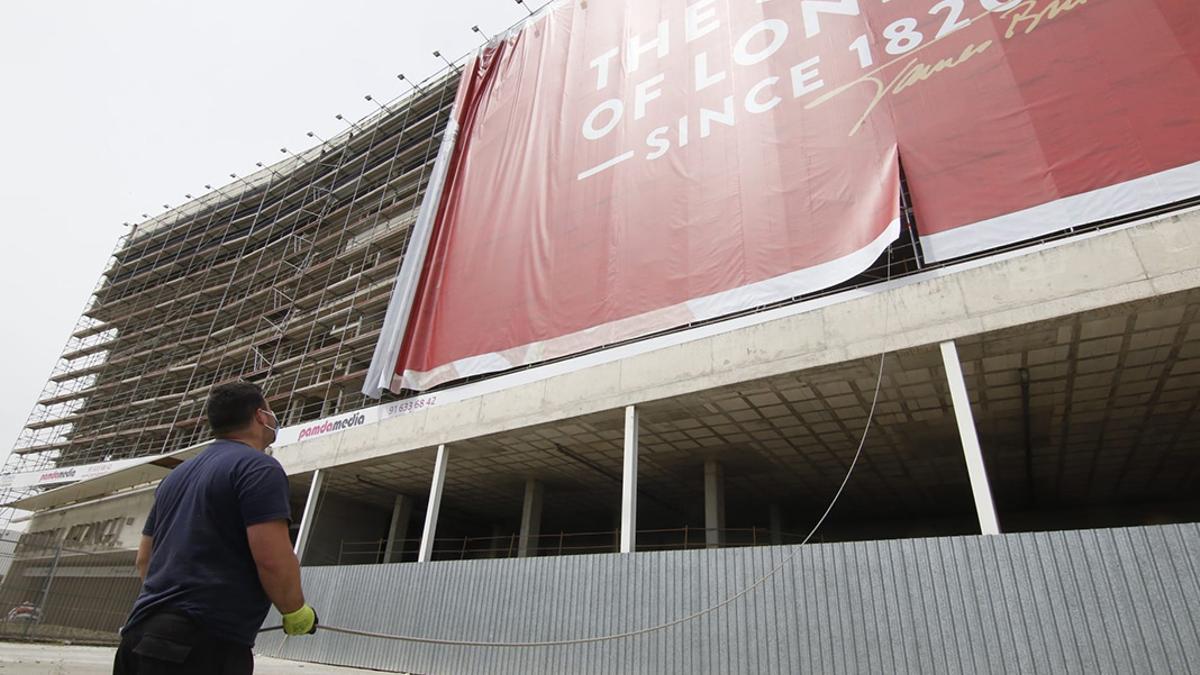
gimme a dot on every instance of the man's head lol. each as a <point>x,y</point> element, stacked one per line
<point>238,411</point>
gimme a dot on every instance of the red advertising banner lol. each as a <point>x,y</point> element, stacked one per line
<point>624,168</point>
<point>1045,115</point>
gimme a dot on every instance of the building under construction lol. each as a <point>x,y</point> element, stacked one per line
<point>985,461</point>
<point>281,278</point>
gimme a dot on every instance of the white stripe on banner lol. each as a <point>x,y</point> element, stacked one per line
<point>1121,199</point>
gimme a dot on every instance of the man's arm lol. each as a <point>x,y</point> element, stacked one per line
<point>145,548</point>
<point>278,569</point>
<point>262,493</point>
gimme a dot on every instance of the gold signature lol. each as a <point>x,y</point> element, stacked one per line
<point>912,74</point>
<point>1029,15</point>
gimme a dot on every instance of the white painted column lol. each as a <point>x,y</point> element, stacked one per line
<point>629,482</point>
<point>714,503</point>
<point>398,531</point>
<point>308,520</point>
<point>775,518</point>
<point>435,503</point>
<point>531,520</point>
<point>985,507</point>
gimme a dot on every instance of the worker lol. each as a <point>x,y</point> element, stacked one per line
<point>215,552</point>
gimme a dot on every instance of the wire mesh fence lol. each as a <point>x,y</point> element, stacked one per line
<point>53,591</point>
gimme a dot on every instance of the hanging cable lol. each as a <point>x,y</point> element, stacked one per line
<point>681,620</point>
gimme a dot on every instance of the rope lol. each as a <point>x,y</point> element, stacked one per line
<point>684,619</point>
<point>650,629</point>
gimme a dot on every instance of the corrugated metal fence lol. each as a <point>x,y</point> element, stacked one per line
<point>1119,600</point>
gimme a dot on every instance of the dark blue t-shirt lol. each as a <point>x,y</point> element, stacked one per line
<point>201,564</point>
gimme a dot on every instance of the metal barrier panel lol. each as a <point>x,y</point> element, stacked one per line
<point>1112,600</point>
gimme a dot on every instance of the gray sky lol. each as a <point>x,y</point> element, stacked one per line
<point>113,109</point>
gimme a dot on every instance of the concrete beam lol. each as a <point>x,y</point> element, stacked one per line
<point>531,520</point>
<point>309,519</point>
<point>398,530</point>
<point>629,482</point>
<point>985,507</point>
<point>435,503</point>
<point>714,504</point>
<point>1119,265</point>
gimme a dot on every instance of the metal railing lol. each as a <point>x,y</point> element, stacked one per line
<point>561,543</point>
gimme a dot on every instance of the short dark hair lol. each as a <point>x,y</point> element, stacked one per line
<point>232,406</point>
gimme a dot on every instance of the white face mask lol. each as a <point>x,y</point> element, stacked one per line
<point>275,428</point>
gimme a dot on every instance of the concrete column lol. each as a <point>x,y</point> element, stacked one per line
<point>531,520</point>
<point>629,482</point>
<point>398,531</point>
<point>501,541</point>
<point>776,524</point>
<point>435,503</point>
<point>308,520</point>
<point>985,507</point>
<point>714,503</point>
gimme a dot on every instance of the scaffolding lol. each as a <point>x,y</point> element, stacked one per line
<point>280,278</point>
<point>283,278</point>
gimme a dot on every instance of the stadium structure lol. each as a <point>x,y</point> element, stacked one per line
<point>986,461</point>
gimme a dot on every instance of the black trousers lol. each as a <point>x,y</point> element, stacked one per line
<point>168,643</point>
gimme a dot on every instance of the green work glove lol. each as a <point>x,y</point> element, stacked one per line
<point>300,622</point>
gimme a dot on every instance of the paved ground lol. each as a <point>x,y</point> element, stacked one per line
<point>31,659</point>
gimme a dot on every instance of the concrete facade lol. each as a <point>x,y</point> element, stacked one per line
<point>1102,269</point>
<point>1107,268</point>
<point>1074,363</point>
<point>121,516</point>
